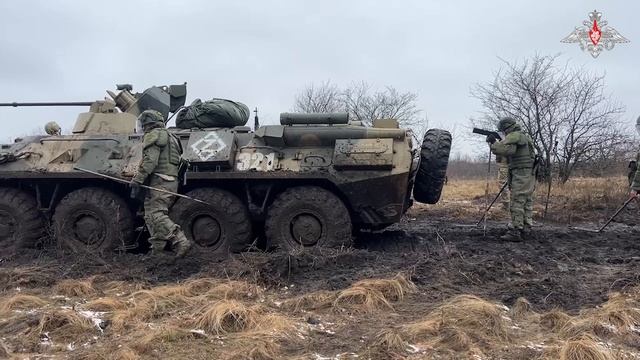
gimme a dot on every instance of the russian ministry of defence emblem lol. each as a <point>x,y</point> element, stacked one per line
<point>594,35</point>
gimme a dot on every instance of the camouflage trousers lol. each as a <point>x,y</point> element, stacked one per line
<point>522,184</point>
<point>156,212</point>
<point>503,175</point>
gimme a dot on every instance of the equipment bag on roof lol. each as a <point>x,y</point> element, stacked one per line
<point>212,113</point>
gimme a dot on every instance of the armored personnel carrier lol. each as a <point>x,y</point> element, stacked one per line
<point>313,180</point>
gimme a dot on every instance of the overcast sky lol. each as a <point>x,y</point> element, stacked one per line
<point>263,52</point>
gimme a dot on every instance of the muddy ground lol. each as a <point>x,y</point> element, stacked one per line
<point>556,268</point>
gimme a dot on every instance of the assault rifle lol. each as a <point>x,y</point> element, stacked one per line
<point>487,133</point>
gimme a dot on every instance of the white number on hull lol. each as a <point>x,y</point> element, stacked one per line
<point>255,161</point>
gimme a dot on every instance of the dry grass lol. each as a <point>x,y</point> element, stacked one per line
<point>521,309</point>
<point>146,340</point>
<point>370,295</point>
<point>22,302</point>
<point>227,316</point>
<point>361,299</point>
<point>393,289</point>
<point>462,323</point>
<point>255,349</point>
<point>617,317</point>
<point>75,288</point>
<point>119,288</point>
<point>4,352</point>
<point>555,320</point>
<point>580,199</point>
<point>151,304</point>
<point>233,290</point>
<point>584,348</point>
<point>125,353</point>
<point>391,341</point>
<point>311,301</point>
<point>63,325</point>
<point>105,304</point>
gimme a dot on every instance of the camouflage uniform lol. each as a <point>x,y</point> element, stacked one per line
<point>633,167</point>
<point>159,169</point>
<point>503,176</point>
<point>518,148</point>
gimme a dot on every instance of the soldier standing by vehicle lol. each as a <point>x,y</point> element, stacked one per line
<point>159,168</point>
<point>518,149</point>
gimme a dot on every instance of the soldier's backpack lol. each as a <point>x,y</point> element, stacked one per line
<point>212,113</point>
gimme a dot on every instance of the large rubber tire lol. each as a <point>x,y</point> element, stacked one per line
<point>308,216</point>
<point>432,171</point>
<point>94,220</point>
<point>223,227</point>
<point>21,223</point>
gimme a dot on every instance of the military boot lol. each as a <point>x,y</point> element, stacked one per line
<point>181,244</point>
<point>157,254</point>
<point>513,235</point>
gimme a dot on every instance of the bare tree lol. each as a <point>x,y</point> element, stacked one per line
<point>362,102</point>
<point>366,105</point>
<point>565,110</point>
<point>323,98</point>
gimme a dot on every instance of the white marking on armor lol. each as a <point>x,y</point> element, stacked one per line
<point>208,146</point>
<point>255,161</point>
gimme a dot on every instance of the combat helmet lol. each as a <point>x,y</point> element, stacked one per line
<point>52,128</point>
<point>505,123</point>
<point>151,118</point>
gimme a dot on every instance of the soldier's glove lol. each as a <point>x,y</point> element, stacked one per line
<point>135,189</point>
<point>491,139</point>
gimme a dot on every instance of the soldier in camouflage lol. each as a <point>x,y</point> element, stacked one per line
<point>503,176</point>
<point>159,169</point>
<point>633,167</point>
<point>635,179</point>
<point>517,148</point>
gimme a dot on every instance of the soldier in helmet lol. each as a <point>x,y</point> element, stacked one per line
<point>159,169</point>
<point>517,148</point>
<point>635,179</point>
<point>52,128</point>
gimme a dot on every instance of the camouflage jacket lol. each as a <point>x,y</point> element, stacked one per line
<point>161,155</point>
<point>517,147</point>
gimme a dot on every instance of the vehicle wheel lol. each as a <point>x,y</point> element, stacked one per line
<point>308,216</point>
<point>432,171</point>
<point>21,224</point>
<point>224,226</point>
<point>93,219</point>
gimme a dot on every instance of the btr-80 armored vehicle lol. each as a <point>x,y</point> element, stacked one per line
<point>313,180</point>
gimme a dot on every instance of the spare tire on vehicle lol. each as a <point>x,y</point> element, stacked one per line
<point>212,113</point>
<point>432,170</point>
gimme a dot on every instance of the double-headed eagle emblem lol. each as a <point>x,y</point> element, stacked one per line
<point>594,35</point>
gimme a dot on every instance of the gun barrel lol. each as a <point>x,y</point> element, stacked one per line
<point>71,103</point>
<point>486,133</point>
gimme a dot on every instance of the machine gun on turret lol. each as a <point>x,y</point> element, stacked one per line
<point>118,112</point>
<point>164,99</point>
